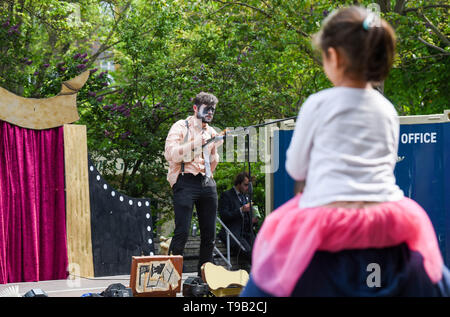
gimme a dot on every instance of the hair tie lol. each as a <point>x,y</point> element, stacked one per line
<point>369,21</point>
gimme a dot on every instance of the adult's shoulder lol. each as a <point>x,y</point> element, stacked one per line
<point>181,122</point>
<point>229,192</point>
<point>178,125</point>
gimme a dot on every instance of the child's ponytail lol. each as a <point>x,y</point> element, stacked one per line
<point>368,45</point>
<point>379,50</point>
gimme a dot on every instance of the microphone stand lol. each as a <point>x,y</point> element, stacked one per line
<point>247,149</point>
<point>247,155</point>
<point>221,137</point>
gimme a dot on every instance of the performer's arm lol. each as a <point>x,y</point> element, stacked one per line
<point>176,150</point>
<point>214,159</point>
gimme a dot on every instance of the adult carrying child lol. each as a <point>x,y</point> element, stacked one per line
<point>351,232</point>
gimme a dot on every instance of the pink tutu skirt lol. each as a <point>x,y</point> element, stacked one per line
<point>290,236</point>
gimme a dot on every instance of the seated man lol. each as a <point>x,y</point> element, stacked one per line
<point>234,210</point>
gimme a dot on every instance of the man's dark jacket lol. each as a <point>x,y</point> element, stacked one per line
<point>240,224</point>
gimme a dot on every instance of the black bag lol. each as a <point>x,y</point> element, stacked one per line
<point>117,290</point>
<point>194,287</point>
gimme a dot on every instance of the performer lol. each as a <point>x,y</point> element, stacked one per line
<point>351,232</point>
<point>190,175</point>
<point>234,210</point>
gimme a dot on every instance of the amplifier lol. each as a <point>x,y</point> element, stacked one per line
<point>193,286</point>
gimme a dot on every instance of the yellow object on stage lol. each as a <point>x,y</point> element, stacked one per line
<point>222,282</point>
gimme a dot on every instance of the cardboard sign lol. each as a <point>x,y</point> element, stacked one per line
<point>156,275</point>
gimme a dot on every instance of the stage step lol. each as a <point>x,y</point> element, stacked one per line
<point>192,250</point>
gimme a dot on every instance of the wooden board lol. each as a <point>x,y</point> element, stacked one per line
<point>78,215</point>
<point>158,276</point>
<point>45,113</point>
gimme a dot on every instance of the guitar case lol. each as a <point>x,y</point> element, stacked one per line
<point>215,281</point>
<point>224,283</point>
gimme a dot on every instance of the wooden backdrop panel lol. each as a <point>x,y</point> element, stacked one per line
<point>79,243</point>
<point>122,226</point>
<point>45,113</point>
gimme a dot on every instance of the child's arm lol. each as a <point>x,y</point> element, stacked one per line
<point>298,187</point>
<point>298,153</point>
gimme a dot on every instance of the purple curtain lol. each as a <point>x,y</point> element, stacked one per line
<point>32,205</point>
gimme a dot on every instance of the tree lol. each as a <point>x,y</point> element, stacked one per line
<point>418,84</point>
<point>255,56</point>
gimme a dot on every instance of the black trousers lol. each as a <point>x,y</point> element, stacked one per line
<point>187,192</point>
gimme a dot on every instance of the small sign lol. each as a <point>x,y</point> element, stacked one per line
<point>156,275</point>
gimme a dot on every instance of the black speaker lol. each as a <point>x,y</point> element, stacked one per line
<point>35,292</point>
<point>117,290</point>
<point>194,287</point>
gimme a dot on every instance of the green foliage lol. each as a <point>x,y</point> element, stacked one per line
<point>419,81</point>
<point>255,56</point>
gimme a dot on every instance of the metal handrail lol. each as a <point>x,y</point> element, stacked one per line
<point>229,233</point>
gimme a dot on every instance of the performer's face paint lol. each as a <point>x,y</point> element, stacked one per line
<point>206,113</point>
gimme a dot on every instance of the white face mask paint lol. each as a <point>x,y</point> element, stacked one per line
<point>206,113</point>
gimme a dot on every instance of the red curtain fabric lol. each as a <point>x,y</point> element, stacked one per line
<point>32,205</point>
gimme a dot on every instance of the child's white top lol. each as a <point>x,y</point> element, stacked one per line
<point>345,146</point>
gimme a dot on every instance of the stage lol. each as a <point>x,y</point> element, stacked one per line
<point>79,286</point>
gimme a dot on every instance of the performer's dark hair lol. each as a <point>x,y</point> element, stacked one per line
<point>204,98</point>
<point>240,178</point>
<point>369,49</point>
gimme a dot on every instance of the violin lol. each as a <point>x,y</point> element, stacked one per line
<point>218,137</point>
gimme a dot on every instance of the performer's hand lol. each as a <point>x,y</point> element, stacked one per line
<point>199,140</point>
<point>246,207</point>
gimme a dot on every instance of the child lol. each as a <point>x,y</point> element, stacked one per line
<point>351,232</point>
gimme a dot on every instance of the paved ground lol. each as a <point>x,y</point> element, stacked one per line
<point>77,287</point>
